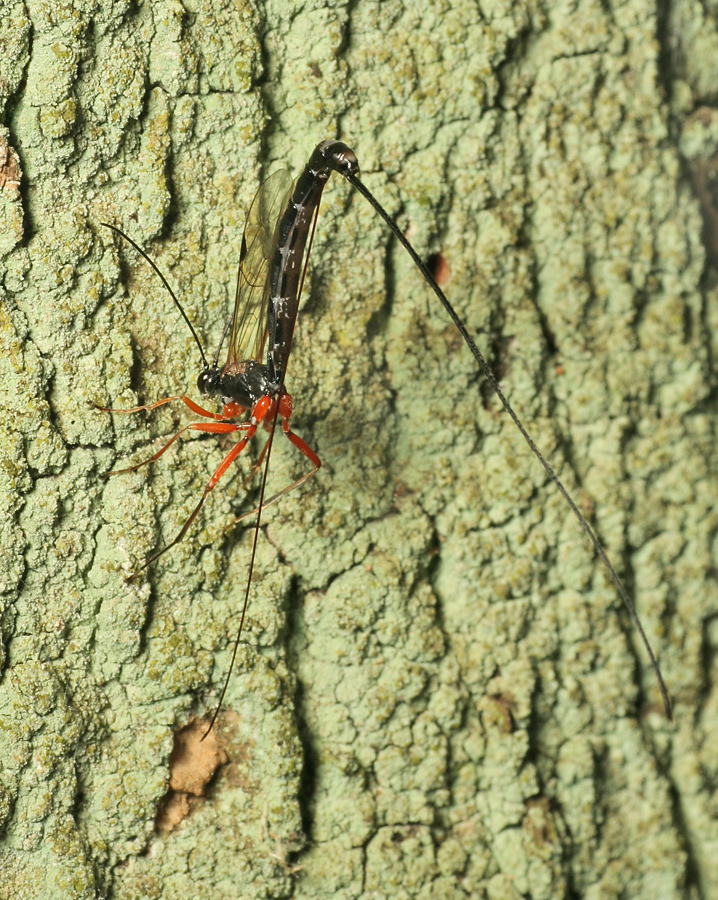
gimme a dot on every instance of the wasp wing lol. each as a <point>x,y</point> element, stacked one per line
<point>249,322</point>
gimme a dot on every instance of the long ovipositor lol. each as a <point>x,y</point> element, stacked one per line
<point>275,249</point>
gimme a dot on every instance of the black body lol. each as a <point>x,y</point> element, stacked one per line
<point>246,381</point>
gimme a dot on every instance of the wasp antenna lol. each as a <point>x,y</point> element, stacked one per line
<point>148,259</point>
<point>255,541</point>
<point>484,366</point>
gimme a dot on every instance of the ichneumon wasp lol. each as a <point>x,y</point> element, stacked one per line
<point>275,248</point>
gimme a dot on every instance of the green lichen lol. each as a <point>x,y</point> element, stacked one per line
<point>437,696</point>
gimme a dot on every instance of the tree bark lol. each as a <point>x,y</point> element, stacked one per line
<point>438,693</point>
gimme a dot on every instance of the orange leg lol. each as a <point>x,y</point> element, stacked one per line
<point>195,407</point>
<point>257,466</point>
<point>209,427</point>
<point>217,428</point>
<point>304,448</point>
<point>253,471</point>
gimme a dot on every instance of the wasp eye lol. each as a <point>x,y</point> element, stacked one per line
<point>209,381</point>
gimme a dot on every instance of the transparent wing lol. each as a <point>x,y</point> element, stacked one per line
<point>249,322</point>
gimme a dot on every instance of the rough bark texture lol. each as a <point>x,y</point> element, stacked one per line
<point>439,695</point>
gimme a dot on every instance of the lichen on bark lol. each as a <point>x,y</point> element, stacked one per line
<point>438,695</point>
